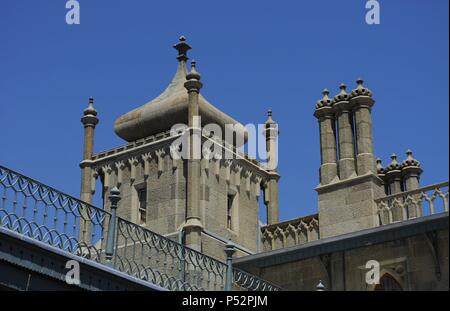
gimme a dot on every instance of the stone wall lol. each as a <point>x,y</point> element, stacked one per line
<point>416,262</point>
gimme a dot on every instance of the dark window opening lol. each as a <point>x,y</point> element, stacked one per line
<point>142,196</point>
<point>230,199</point>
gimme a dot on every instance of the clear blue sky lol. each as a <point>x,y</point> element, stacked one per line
<point>253,55</point>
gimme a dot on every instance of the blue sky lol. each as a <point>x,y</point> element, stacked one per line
<point>253,55</point>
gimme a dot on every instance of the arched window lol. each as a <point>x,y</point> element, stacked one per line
<point>388,283</point>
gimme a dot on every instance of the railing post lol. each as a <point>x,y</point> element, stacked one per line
<point>229,251</point>
<point>114,198</point>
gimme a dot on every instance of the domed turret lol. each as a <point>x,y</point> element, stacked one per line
<point>171,107</point>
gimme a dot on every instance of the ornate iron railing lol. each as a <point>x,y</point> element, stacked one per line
<point>50,216</point>
<point>412,204</point>
<point>152,257</point>
<point>160,260</point>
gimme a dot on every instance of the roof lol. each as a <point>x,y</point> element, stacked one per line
<point>347,241</point>
<point>170,108</point>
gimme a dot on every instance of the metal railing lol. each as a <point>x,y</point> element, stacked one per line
<point>48,215</point>
<point>406,205</point>
<point>45,214</point>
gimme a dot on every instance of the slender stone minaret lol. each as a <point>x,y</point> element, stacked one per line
<point>344,115</point>
<point>325,114</point>
<point>361,99</point>
<point>193,226</point>
<point>411,172</point>
<point>271,133</point>
<point>89,121</point>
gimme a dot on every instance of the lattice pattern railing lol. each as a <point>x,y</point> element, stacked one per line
<point>45,214</point>
<point>50,216</point>
<point>412,204</point>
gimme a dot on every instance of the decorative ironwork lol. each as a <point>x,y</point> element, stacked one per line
<point>246,281</point>
<point>60,220</point>
<point>412,204</point>
<point>162,261</point>
<point>50,216</point>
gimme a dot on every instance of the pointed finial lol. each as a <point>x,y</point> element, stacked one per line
<point>410,161</point>
<point>182,47</point>
<point>342,96</point>
<point>269,117</point>
<point>394,165</point>
<point>325,101</point>
<point>193,74</point>
<point>90,110</point>
<point>193,79</point>
<point>380,168</point>
<point>360,90</point>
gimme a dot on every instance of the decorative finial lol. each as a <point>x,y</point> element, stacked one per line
<point>182,47</point>
<point>269,117</point>
<point>360,90</point>
<point>90,110</point>
<point>380,168</point>
<point>193,74</point>
<point>193,79</point>
<point>410,161</point>
<point>325,101</point>
<point>342,96</point>
<point>394,165</point>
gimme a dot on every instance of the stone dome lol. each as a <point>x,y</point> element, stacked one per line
<point>170,108</point>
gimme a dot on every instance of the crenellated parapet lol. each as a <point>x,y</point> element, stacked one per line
<point>291,232</point>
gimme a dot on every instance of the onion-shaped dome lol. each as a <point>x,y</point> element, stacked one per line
<point>171,107</point>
